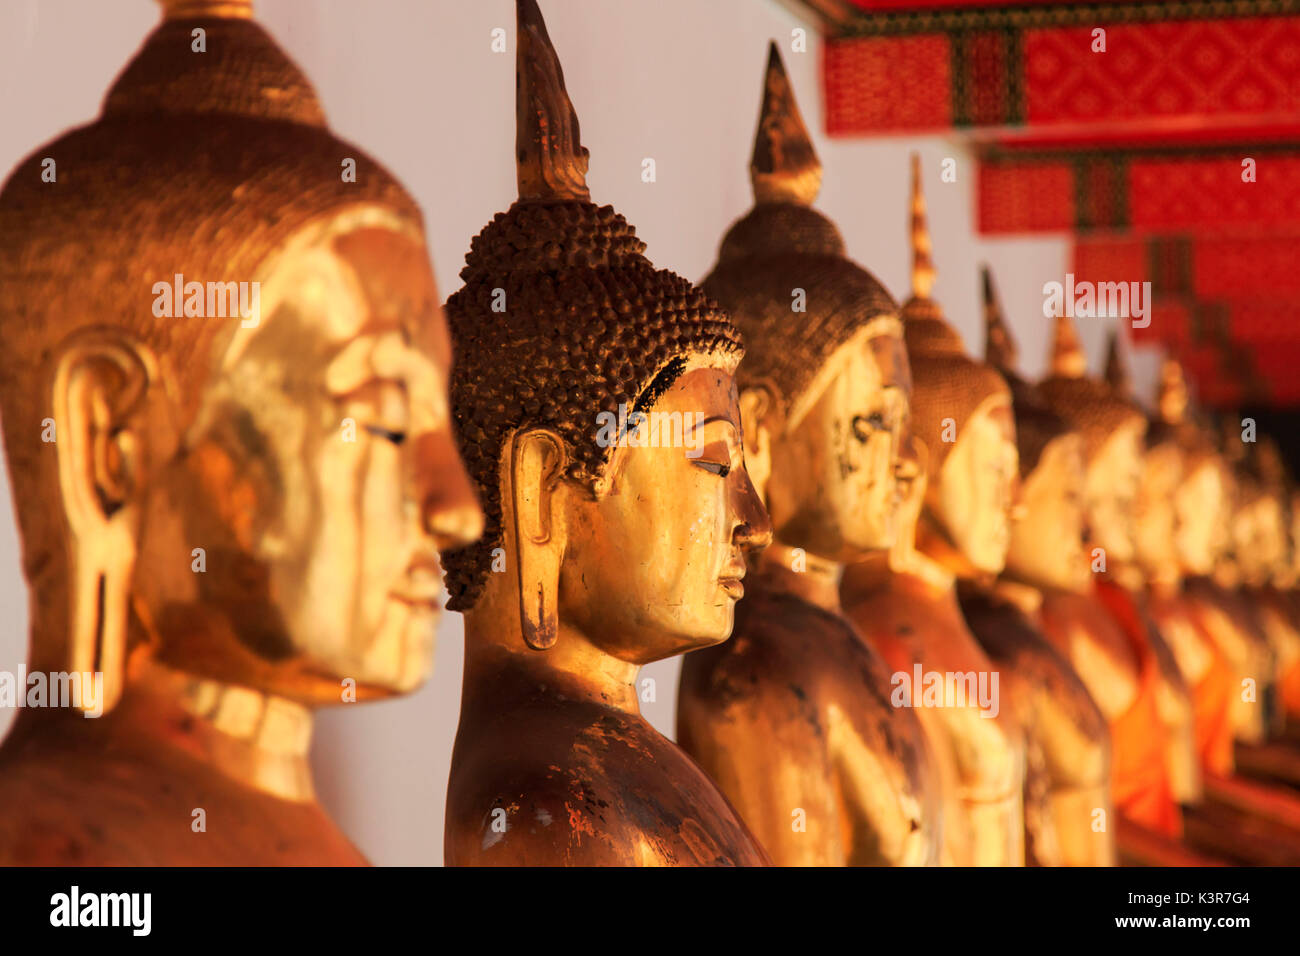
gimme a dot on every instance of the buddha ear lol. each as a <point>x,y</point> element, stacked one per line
<point>758,413</point>
<point>101,384</point>
<point>537,463</point>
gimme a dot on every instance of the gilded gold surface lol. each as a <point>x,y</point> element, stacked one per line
<point>601,553</point>
<point>240,517</point>
<point>792,716</point>
<point>956,525</point>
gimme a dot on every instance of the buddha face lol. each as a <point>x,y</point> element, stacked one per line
<point>653,562</point>
<point>978,484</point>
<point>832,488</point>
<point>1047,537</point>
<point>1260,543</point>
<point>1289,577</point>
<point>1113,477</point>
<point>319,477</point>
<point>1199,508</point>
<point>1155,522</point>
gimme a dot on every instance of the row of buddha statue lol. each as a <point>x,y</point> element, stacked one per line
<point>237,522</point>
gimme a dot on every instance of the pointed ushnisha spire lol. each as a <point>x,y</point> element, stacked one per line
<point>1068,360</point>
<point>784,167</point>
<point>1116,371</point>
<point>922,265</point>
<point>206,9</point>
<point>1171,397</point>
<point>552,162</point>
<point>999,347</point>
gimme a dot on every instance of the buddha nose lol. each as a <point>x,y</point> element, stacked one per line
<point>448,501</point>
<point>754,527</point>
<point>1015,500</point>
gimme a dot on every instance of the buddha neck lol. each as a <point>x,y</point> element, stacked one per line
<point>574,667</point>
<point>934,546</point>
<point>818,582</point>
<point>1026,597</point>
<point>1127,575</point>
<point>258,740</point>
<point>1162,579</point>
<point>907,559</point>
<point>1226,575</point>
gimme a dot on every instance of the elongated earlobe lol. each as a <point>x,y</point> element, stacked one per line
<point>100,386</point>
<point>756,413</point>
<point>537,464</point>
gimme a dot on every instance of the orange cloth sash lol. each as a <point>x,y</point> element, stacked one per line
<point>1140,781</point>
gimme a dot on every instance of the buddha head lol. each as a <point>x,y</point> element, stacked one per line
<point>962,414</point>
<point>1155,513</point>
<point>224,383</point>
<point>1201,495</point>
<point>1047,532</point>
<point>1275,479</point>
<point>1259,525</point>
<point>598,413</point>
<point>1288,576</point>
<point>1113,429</point>
<point>825,381</point>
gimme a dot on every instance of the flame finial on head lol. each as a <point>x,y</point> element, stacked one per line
<point>1117,376</point>
<point>206,9</point>
<point>784,167</point>
<point>1067,360</point>
<point>922,265</point>
<point>999,347</point>
<point>1171,397</point>
<point>552,162</point>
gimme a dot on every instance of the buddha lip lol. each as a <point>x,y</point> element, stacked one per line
<point>417,599</point>
<point>733,587</point>
<point>422,583</point>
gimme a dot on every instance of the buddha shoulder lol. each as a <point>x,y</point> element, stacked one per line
<point>134,806</point>
<point>1058,708</point>
<point>586,786</point>
<point>779,636</point>
<point>1097,649</point>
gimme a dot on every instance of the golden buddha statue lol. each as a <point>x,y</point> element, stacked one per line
<point>1180,509</point>
<point>1100,628</point>
<point>1148,578</point>
<point>231,504</point>
<point>958,529</point>
<point>1287,581</point>
<point>1268,571</point>
<point>1229,616</point>
<point>793,717</point>
<point>1258,545</point>
<point>1067,793</point>
<point>1235,648</point>
<point>598,415</point>
<point>1262,567</point>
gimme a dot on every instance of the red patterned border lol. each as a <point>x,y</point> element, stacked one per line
<point>1229,306</point>
<point>1231,72</point>
<point>888,84</point>
<point>1139,191</point>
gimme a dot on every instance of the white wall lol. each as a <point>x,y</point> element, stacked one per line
<point>415,83</point>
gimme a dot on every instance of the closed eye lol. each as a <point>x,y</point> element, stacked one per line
<point>864,425</point>
<point>395,437</point>
<point>713,467</point>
